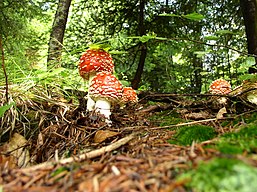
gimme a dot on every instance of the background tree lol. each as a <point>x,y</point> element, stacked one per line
<point>18,36</point>
<point>189,43</point>
<point>142,46</point>
<point>57,33</point>
<point>249,10</point>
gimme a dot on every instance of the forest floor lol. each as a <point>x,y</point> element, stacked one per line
<point>166,142</point>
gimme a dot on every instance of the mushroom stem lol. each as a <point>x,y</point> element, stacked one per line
<point>103,106</point>
<point>90,101</point>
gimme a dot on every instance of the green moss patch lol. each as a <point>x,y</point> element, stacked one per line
<point>238,142</point>
<point>222,175</point>
<point>251,118</point>
<point>187,134</point>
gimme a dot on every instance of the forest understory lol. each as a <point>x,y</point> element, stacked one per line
<point>184,74</point>
<point>165,142</point>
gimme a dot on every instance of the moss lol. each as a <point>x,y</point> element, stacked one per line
<point>247,118</point>
<point>238,142</point>
<point>187,134</point>
<point>222,175</point>
<point>251,118</point>
<point>229,148</point>
<point>167,118</point>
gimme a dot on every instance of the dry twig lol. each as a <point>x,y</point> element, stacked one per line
<point>89,155</point>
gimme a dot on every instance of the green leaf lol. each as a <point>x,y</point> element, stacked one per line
<point>117,52</point>
<point>125,83</point>
<point>194,16</point>
<point>146,38</point>
<point>211,37</point>
<point>58,171</point>
<point>200,54</point>
<point>246,77</point>
<point>168,15</point>
<point>133,37</point>
<point>250,61</point>
<point>203,73</point>
<point>161,38</point>
<point>4,108</point>
<point>100,45</point>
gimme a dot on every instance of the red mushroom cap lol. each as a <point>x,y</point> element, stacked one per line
<point>129,95</point>
<point>106,85</point>
<point>95,60</point>
<point>220,86</point>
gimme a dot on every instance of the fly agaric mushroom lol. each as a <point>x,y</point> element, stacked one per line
<point>105,89</point>
<point>220,86</point>
<point>91,62</point>
<point>129,95</point>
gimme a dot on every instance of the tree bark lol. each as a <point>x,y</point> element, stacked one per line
<point>249,11</point>
<point>143,47</point>
<point>3,67</point>
<point>197,80</point>
<point>57,34</point>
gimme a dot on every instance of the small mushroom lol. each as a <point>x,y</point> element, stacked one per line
<point>91,62</point>
<point>129,95</point>
<point>105,89</point>
<point>220,87</point>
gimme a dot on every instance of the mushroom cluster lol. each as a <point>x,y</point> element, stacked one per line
<point>96,66</point>
<point>92,62</point>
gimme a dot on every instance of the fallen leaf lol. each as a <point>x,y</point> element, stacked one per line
<point>221,112</point>
<point>17,148</point>
<point>102,135</point>
<point>6,160</point>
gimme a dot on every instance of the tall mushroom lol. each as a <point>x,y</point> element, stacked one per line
<point>91,62</point>
<point>105,89</point>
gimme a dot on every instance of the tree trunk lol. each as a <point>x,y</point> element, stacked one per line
<point>249,11</point>
<point>143,47</point>
<point>3,67</point>
<point>198,65</point>
<point>57,34</point>
<point>140,67</point>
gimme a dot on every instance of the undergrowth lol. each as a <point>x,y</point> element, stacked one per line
<point>221,175</point>
<point>244,140</point>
